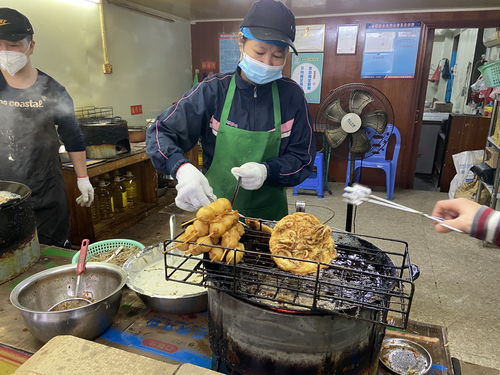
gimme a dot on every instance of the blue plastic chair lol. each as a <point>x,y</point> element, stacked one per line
<point>315,180</point>
<point>377,159</point>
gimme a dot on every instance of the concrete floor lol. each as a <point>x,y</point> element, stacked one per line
<point>458,286</point>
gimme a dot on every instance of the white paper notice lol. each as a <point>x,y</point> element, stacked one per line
<point>380,42</point>
<point>346,40</point>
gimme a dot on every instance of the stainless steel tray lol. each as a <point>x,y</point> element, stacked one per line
<point>405,357</point>
<point>166,301</point>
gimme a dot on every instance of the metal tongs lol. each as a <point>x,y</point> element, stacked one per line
<point>236,190</point>
<point>357,194</point>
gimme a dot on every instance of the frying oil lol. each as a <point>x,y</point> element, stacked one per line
<point>104,200</point>
<point>119,194</point>
<point>131,188</point>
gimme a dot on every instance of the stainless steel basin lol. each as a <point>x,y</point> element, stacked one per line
<point>36,294</point>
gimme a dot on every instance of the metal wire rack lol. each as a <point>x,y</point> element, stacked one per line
<point>363,282</point>
<point>90,113</point>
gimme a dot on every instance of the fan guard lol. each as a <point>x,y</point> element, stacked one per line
<point>347,111</point>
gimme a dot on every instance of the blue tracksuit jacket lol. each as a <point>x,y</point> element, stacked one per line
<point>196,116</point>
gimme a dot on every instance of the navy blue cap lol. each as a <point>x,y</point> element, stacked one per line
<point>271,20</point>
<point>14,26</point>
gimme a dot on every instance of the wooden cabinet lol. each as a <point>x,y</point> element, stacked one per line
<point>462,133</point>
<point>82,225</point>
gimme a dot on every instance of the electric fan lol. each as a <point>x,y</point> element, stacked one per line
<point>351,120</point>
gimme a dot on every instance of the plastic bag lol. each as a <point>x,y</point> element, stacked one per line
<point>463,162</point>
<point>479,85</point>
<point>469,190</point>
<point>446,74</point>
<point>436,75</point>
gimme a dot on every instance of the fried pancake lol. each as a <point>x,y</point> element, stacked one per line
<point>302,236</point>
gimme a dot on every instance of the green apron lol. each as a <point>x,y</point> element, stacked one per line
<point>235,147</point>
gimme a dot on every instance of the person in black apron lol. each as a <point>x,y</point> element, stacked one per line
<point>31,103</point>
<point>253,124</point>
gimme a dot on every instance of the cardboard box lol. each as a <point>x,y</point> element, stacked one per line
<point>442,107</point>
<point>491,156</point>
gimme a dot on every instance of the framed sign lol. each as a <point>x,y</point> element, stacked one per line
<point>347,37</point>
<point>310,38</point>
<point>229,52</point>
<point>391,50</point>
<point>307,71</point>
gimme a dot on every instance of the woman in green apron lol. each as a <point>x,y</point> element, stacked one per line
<point>253,124</point>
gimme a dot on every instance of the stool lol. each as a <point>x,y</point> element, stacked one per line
<point>315,180</point>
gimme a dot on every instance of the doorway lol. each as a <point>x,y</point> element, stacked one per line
<point>452,68</point>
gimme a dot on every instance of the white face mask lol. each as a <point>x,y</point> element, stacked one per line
<point>12,61</point>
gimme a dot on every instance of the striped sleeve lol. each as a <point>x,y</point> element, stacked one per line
<point>486,225</point>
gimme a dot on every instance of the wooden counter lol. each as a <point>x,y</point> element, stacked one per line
<point>82,225</point>
<point>165,337</point>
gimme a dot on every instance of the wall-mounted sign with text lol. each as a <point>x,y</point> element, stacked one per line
<point>390,50</point>
<point>307,71</point>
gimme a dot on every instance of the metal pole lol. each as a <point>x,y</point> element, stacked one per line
<point>348,219</point>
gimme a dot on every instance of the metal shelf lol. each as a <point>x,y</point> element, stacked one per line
<point>490,140</point>
<point>493,189</point>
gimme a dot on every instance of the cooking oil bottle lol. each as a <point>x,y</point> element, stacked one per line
<point>94,208</point>
<point>107,179</point>
<point>119,194</point>
<point>131,188</point>
<point>104,199</point>
<point>200,155</point>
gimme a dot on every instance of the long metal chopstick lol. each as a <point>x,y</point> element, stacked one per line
<point>411,210</point>
<point>348,197</point>
<point>236,190</point>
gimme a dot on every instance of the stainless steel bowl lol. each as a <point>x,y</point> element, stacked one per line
<point>174,304</point>
<point>36,294</point>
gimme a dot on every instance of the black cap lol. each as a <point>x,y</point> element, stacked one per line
<point>14,26</point>
<point>271,20</point>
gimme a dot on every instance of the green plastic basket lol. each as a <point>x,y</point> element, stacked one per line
<point>491,73</point>
<point>104,246</point>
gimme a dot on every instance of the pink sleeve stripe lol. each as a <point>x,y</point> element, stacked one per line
<point>481,227</point>
<point>177,105</point>
<point>310,138</point>
<point>285,127</point>
<point>214,124</point>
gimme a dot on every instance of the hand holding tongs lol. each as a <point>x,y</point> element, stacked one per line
<point>358,194</point>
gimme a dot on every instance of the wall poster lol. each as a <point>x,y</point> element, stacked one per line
<point>391,50</point>
<point>229,52</point>
<point>307,71</point>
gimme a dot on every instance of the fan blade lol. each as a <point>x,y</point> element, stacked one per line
<point>335,137</point>
<point>376,120</point>
<point>360,143</point>
<point>334,111</point>
<point>359,100</point>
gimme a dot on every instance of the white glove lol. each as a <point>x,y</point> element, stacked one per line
<point>85,187</point>
<point>252,175</point>
<point>193,189</point>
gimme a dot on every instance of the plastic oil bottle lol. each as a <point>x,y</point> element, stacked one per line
<point>104,200</point>
<point>131,188</point>
<point>94,208</point>
<point>119,194</point>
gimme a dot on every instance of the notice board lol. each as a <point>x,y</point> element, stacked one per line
<point>391,50</point>
<point>229,52</point>
<point>307,71</point>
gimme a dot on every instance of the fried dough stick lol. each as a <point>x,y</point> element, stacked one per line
<point>219,227</point>
<point>232,254</point>
<point>201,246</point>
